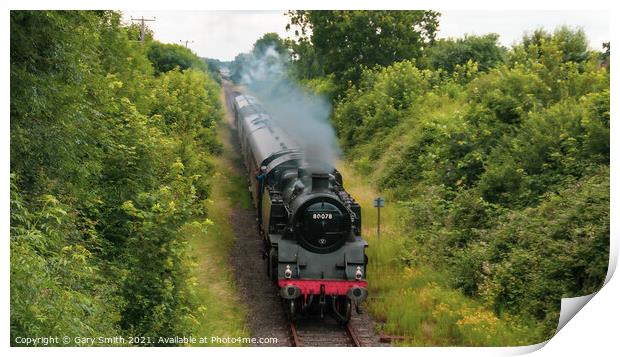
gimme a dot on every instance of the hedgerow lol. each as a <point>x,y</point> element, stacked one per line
<point>504,172</point>
<point>108,162</point>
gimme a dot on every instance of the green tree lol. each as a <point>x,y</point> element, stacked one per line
<point>348,41</point>
<point>605,56</point>
<point>167,56</point>
<point>269,40</point>
<point>571,43</point>
<point>448,53</point>
<point>306,64</point>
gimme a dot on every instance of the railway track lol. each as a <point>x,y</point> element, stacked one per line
<point>320,333</point>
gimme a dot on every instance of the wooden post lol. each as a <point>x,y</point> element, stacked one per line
<point>379,202</point>
<point>378,222</point>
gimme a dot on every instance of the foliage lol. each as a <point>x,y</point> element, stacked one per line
<point>321,86</point>
<point>133,32</point>
<point>270,40</point>
<point>541,254</point>
<point>237,66</point>
<point>447,54</point>
<point>370,111</point>
<point>213,66</point>
<point>434,313</point>
<point>108,163</point>
<point>572,44</point>
<point>168,56</point>
<point>349,41</point>
<point>56,285</point>
<point>179,95</point>
<point>158,301</point>
<point>605,56</point>
<point>306,63</point>
<point>502,169</point>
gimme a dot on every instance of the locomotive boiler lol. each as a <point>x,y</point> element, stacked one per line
<point>310,225</point>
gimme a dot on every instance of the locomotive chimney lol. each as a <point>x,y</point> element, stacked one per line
<point>320,182</point>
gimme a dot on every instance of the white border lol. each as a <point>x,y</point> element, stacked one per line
<point>594,329</point>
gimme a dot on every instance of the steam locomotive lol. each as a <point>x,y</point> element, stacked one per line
<point>310,225</point>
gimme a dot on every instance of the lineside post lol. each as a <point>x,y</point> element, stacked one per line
<point>379,202</point>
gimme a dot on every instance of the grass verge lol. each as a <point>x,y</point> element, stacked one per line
<point>222,312</point>
<point>417,301</point>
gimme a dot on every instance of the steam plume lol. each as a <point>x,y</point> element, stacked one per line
<point>302,114</point>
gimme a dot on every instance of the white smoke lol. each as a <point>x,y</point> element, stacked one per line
<point>302,114</point>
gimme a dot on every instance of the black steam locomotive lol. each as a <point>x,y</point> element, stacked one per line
<point>310,225</point>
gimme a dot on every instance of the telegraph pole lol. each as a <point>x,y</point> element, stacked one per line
<point>142,27</point>
<point>186,42</point>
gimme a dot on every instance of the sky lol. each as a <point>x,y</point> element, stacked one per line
<point>224,34</point>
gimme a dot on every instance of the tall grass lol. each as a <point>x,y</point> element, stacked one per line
<point>223,314</point>
<point>415,300</point>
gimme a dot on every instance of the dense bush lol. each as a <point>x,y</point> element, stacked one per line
<point>503,167</point>
<point>372,110</point>
<point>448,54</point>
<point>57,287</point>
<point>534,257</point>
<point>108,162</point>
<point>168,56</point>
